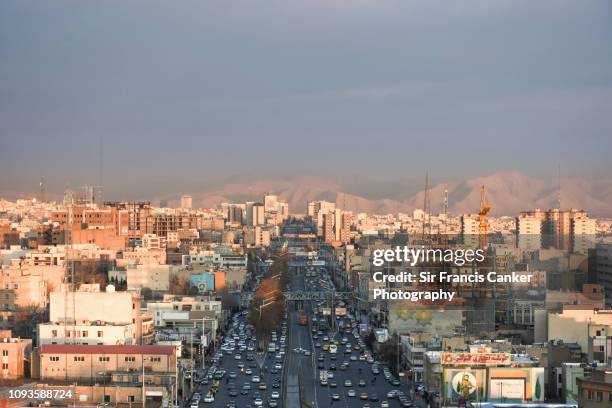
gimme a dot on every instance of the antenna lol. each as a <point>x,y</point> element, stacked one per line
<point>42,190</point>
<point>100,170</point>
<point>559,187</point>
<point>426,208</point>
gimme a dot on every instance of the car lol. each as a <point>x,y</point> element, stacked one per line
<point>362,383</point>
<point>233,392</point>
<point>278,366</point>
<point>232,374</point>
<point>258,402</point>
<point>373,397</point>
<point>363,396</point>
<point>209,398</point>
<point>275,395</point>
<point>348,383</point>
<point>392,394</point>
<point>275,385</point>
<point>194,404</point>
<point>333,385</point>
<point>351,393</point>
<point>263,386</point>
<point>353,358</point>
<point>272,403</point>
<point>395,382</point>
<point>255,379</point>
<point>384,404</point>
<point>336,397</point>
<point>248,371</point>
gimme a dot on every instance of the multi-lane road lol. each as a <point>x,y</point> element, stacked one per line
<point>292,376</point>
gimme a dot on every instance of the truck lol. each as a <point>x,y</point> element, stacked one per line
<point>323,377</point>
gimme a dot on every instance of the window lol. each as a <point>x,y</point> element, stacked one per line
<point>589,395</point>
<point>85,334</point>
<point>599,396</point>
<point>104,358</point>
<point>79,358</point>
<point>155,359</point>
<point>106,398</point>
<point>100,333</point>
<point>129,358</point>
<point>5,366</point>
<point>5,353</point>
<point>54,358</point>
<point>131,398</point>
<point>53,333</point>
<point>610,397</point>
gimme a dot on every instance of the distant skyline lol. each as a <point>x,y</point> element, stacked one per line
<point>189,95</point>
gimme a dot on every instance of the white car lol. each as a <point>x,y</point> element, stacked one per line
<point>209,398</point>
<point>258,402</point>
<point>255,379</point>
<point>275,395</point>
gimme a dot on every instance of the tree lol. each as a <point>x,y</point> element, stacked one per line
<point>388,352</point>
<point>27,319</point>
<point>228,301</point>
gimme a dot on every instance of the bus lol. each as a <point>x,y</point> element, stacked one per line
<point>303,319</point>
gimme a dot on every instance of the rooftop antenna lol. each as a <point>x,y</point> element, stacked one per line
<point>100,170</point>
<point>559,187</point>
<point>426,208</point>
<point>42,190</point>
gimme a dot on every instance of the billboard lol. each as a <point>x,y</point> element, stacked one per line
<point>464,384</point>
<point>410,318</point>
<point>504,384</point>
<point>475,359</point>
<point>505,389</point>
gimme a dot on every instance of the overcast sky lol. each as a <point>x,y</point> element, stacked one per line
<point>189,93</point>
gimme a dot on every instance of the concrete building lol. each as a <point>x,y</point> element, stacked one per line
<point>154,277</point>
<point>186,202</point>
<point>98,310</point>
<point>126,372</point>
<point>528,231</point>
<point>270,202</point>
<point>595,391</point>
<point>15,352</point>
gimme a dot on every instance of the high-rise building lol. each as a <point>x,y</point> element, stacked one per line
<point>328,227</point>
<point>270,202</point>
<point>563,229</point>
<point>528,231</point>
<point>186,202</point>
<point>257,216</point>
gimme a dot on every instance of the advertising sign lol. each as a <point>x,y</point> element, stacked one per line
<point>506,389</point>
<point>409,318</point>
<point>475,359</point>
<point>464,385</point>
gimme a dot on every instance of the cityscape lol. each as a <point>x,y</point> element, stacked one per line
<point>253,304</point>
<point>306,204</point>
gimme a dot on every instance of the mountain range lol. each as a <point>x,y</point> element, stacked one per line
<point>508,192</point>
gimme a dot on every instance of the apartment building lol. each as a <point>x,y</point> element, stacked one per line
<point>14,353</point>
<point>91,316</point>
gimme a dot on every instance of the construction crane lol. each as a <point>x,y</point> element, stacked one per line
<point>483,227</point>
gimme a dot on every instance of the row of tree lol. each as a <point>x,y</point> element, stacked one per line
<point>268,305</point>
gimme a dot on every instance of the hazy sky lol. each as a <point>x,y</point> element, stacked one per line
<point>184,93</point>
